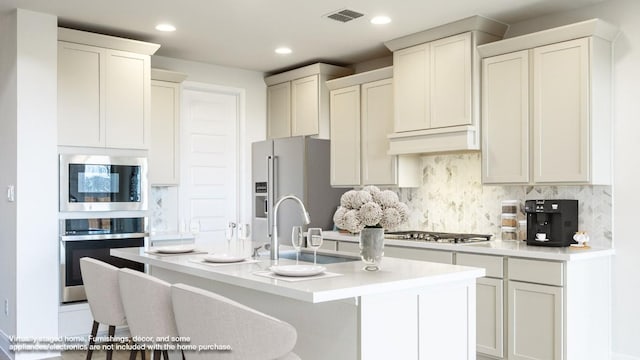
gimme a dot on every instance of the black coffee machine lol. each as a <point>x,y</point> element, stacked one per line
<point>551,222</point>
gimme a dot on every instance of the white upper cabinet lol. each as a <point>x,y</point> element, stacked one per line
<point>103,91</point>
<point>547,108</point>
<point>561,132</point>
<point>305,106</point>
<point>298,101</point>
<point>279,110</point>
<point>505,118</point>
<point>436,87</point>
<point>127,100</point>
<point>345,136</point>
<point>411,71</point>
<point>80,114</point>
<point>361,118</point>
<point>164,168</point>
<point>450,81</point>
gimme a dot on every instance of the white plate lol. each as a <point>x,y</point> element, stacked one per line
<point>222,258</point>
<point>176,249</point>
<point>297,270</point>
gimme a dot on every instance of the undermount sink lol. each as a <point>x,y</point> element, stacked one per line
<point>307,256</point>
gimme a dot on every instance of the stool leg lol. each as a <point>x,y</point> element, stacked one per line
<point>112,332</point>
<point>165,354</point>
<point>133,354</point>
<point>92,338</point>
<point>156,355</point>
<point>143,354</point>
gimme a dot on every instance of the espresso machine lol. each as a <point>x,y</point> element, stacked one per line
<point>551,222</point>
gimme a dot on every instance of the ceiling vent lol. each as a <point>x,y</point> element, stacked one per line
<point>344,16</point>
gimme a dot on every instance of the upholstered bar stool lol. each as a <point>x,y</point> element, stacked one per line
<point>209,319</point>
<point>103,294</point>
<point>147,304</point>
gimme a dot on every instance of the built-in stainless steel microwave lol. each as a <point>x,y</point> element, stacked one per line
<point>102,183</point>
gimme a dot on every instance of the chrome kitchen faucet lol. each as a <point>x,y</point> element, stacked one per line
<point>274,233</point>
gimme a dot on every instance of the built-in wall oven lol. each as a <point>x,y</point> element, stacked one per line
<point>95,237</point>
<point>102,183</point>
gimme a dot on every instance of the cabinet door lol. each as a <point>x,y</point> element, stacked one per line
<point>304,106</point>
<point>450,81</point>
<point>505,118</point>
<point>378,168</point>
<point>561,133</point>
<point>411,89</point>
<point>535,322</point>
<point>279,110</point>
<point>165,130</point>
<point>345,136</point>
<point>489,316</point>
<point>80,110</point>
<point>127,100</point>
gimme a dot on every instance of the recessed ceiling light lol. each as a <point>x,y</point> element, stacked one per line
<point>165,27</point>
<point>380,20</point>
<point>283,50</point>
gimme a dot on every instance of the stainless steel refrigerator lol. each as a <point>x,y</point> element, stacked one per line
<point>298,166</point>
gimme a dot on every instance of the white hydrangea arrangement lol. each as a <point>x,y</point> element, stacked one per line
<point>370,207</point>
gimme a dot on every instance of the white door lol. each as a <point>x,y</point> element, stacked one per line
<point>209,148</point>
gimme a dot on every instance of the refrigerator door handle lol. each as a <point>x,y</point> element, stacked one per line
<point>269,199</point>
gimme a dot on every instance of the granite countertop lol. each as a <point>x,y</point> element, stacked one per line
<point>514,248</point>
<point>395,275</point>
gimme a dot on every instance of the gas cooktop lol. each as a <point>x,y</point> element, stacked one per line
<point>441,237</point>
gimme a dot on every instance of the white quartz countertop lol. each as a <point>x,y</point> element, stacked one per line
<point>395,275</point>
<point>494,247</point>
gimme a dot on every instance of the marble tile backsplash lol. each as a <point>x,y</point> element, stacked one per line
<point>163,209</point>
<point>452,198</point>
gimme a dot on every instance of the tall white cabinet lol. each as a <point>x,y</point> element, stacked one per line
<point>164,165</point>
<point>298,101</point>
<point>361,113</point>
<point>103,91</point>
<point>546,114</point>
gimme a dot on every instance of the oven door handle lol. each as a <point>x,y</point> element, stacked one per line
<point>103,236</point>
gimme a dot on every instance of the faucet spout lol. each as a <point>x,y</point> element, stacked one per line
<point>274,233</point>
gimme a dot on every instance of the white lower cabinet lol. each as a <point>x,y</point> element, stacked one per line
<point>535,321</point>
<point>489,316</point>
<point>445,257</point>
<point>489,302</point>
<point>531,308</point>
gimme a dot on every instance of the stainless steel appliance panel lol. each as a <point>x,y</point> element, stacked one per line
<point>298,166</point>
<point>95,238</point>
<point>103,183</point>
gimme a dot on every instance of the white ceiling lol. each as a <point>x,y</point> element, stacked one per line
<point>244,33</point>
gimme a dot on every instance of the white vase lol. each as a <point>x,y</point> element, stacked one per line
<point>372,247</point>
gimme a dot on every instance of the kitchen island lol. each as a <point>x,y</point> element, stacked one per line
<point>407,310</point>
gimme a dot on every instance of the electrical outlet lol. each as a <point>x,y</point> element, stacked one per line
<point>6,307</point>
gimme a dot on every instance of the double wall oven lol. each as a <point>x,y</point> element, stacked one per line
<point>103,203</point>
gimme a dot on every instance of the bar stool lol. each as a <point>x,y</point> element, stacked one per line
<point>209,319</point>
<point>147,304</point>
<point>103,294</point>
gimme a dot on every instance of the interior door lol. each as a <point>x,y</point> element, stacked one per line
<point>209,195</point>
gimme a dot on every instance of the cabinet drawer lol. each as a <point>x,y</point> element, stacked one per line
<point>492,264</point>
<point>353,247</point>
<point>445,257</point>
<point>542,272</point>
<point>329,245</point>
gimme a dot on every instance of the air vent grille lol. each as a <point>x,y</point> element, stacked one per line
<point>344,15</point>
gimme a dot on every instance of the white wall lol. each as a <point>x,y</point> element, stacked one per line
<point>31,236</point>
<point>252,127</point>
<point>8,126</point>
<point>626,195</point>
